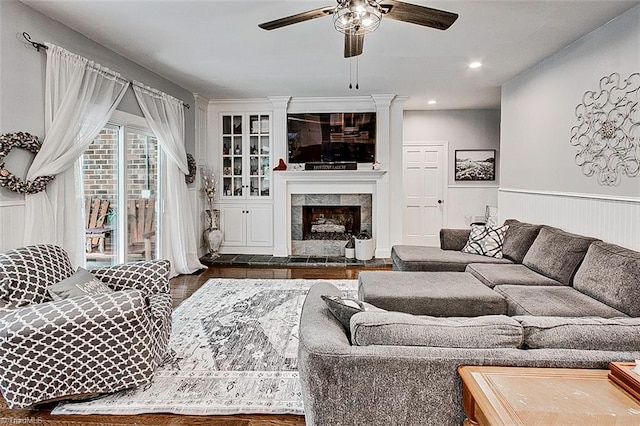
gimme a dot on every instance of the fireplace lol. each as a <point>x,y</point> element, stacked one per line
<point>333,217</point>
<point>330,222</point>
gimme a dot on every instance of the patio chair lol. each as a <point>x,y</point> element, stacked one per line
<point>96,210</point>
<point>142,231</point>
<point>84,345</point>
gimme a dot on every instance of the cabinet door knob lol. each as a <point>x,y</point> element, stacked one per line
<point>440,201</point>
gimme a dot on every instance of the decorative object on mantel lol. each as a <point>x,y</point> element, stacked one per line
<point>281,165</point>
<point>213,236</point>
<point>608,130</point>
<point>32,144</point>
<point>193,169</point>
<point>332,166</point>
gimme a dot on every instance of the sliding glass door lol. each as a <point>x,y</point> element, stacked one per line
<point>121,177</point>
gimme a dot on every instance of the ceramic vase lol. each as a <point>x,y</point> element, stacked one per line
<point>213,238</point>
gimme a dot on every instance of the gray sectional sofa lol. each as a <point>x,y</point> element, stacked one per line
<point>571,301</point>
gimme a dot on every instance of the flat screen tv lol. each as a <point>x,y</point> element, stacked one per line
<point>332,137</point>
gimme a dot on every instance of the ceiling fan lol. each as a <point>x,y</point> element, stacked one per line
<point>355,18</point>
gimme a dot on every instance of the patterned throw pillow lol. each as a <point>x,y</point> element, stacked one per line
<point>343,309</point>
<point>79,284</point>
<point>486,240</point>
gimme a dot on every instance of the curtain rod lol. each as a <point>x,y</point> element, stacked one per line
<point>36,45</point>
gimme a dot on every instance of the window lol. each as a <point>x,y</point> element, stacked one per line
<point>121,202</point>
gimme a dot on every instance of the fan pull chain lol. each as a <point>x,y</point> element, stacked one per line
<point>357,59</point>
<point>350,74</point>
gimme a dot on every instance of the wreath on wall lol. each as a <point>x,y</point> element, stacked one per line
<point>31,143</point>
<point>191,163</point>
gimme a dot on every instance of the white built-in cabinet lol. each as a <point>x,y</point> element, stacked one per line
<point>246,199</point>
<point>249,225</point>
<point>246,156</point>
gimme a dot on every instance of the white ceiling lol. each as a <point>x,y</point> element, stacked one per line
<point>215,48</point>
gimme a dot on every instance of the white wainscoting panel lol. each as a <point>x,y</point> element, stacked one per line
<point>467,201</point>
<point>612,219</point>
<point>11,224</point>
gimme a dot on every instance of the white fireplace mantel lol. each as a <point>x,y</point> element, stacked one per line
<point>374,182</point>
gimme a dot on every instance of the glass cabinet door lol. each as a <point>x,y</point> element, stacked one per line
<point>232,154</point>
<point>259,155</point>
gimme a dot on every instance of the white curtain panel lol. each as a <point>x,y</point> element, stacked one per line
<point>80,97</point>
<point>165,116</point>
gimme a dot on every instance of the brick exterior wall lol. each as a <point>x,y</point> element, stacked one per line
<point>100,163</point>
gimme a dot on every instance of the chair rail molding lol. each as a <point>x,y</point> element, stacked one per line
<point>571,194</point>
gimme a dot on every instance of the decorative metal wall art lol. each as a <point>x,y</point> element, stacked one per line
<point>608,130</point>
<point>32,144</point>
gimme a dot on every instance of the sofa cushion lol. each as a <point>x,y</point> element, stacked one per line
<point>454,239</point>
<point>421,258</point>
<point>611,274</point>
<point>400,329</point>
<point>555,301</point>
<point>343,309</point>
<point>81,283</point>
<point>590,333</point>
<point>493,275</point>
<point>518,239</point>
<point>438,294</point>
<point>486,240</point>
<point>557,254</point>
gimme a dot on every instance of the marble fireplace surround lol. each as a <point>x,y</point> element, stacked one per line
<point>291,183</point>
<point>325,247</point>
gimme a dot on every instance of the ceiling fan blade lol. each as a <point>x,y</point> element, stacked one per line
<point>300,17</point>
<point>419,15</point>
<point>353,44</point>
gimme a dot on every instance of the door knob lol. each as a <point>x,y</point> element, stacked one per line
<point>440,201</point>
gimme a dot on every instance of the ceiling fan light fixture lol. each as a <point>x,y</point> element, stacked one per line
<point>353,16</point>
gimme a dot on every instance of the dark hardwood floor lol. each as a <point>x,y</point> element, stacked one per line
<point>181,288</point>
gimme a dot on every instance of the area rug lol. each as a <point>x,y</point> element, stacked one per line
<point>234,348</point>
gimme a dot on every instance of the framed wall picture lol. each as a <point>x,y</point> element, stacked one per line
<point>475,164</point>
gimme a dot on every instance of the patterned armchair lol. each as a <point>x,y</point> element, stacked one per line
<point>81,346</point>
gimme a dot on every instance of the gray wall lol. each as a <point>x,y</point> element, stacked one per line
<point>22,72</point>
<point>538,110</point>
<point>462,129</point>
<point>540,180</point>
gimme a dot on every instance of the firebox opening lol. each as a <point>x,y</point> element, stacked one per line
<point>330,222</point>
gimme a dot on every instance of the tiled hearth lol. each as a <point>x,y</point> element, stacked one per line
<point>293,261</point>
<point>326,247</point>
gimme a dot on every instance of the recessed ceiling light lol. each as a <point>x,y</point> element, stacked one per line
<point>432,102</point>
<point>475,64</point>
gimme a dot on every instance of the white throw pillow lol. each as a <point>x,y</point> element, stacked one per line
<point>486,240</point>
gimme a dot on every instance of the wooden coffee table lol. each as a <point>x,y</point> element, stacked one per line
<point>544,396</point>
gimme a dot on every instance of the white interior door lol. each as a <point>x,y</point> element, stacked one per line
<point>424,177</point>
